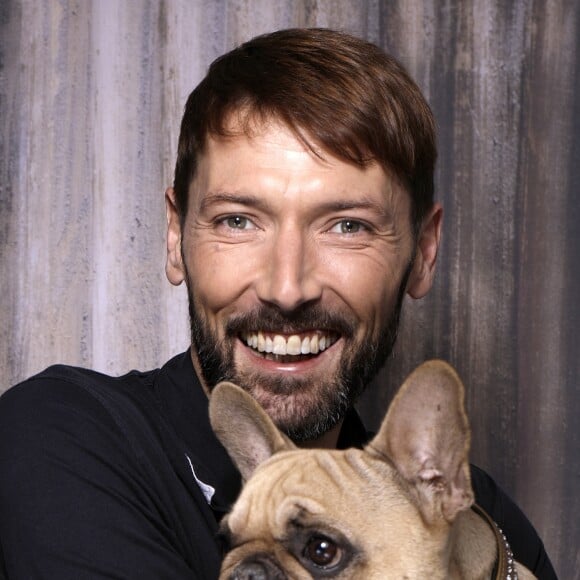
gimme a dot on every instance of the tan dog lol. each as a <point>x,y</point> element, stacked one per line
<point>400,508</point>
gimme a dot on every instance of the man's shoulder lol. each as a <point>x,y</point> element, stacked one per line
<point>64,380</point>
<point>75,416</point>
<point>61,391</point>
<point>523,538</point>
<point>96,461</point>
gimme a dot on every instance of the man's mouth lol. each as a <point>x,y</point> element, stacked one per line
<point>289,348</point>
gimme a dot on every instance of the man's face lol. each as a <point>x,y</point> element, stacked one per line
<point>296,267</point>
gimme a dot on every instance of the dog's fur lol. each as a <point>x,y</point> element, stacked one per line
<point>397,509</point>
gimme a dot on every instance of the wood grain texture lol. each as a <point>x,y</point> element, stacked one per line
<point>91,95</point>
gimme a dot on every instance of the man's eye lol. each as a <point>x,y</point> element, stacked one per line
<point>238,222</point>
<point>347,227</point>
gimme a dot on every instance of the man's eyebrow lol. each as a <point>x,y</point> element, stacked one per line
<point>345,205</point>
<point>217,197</point>
<point>383,211</point>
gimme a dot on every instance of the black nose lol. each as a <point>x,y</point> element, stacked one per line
<point>257,570</point>
<point>250,571</point>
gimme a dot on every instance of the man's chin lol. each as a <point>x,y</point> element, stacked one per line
<point>301,409</point>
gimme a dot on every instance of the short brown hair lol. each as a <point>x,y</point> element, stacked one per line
<point>333,90</point>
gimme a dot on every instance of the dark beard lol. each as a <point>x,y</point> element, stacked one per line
<point>358,365</point>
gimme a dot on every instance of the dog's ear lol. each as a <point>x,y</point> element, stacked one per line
<point>244,428</point>
<point>426,435</point>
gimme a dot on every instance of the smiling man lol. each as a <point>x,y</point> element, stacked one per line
<point>296,262</point>
<point>301,214</point>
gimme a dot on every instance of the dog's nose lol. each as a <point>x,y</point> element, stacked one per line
<point>257,570</point>
<point>250,571</point>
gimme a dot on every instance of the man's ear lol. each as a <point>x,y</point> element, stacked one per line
<point>428,239</point>
<point>174,269</point>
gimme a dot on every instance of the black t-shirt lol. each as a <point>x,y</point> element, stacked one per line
<point>104,477</point>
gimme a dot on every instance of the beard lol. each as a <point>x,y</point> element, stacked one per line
<point>302,410</point>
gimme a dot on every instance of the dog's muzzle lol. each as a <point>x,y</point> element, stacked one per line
<point>257,568</point>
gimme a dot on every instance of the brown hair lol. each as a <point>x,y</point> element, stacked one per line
<point>332,90</point>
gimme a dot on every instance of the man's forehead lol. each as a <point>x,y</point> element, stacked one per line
<point>232,159</point>
<point>246,125</point>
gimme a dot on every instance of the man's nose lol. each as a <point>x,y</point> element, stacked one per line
<point>290,276</point>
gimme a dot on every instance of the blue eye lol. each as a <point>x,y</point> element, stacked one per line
<point>347,226</point>
<point>238,222</point>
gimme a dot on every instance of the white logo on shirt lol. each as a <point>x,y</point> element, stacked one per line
<point>207,490</point>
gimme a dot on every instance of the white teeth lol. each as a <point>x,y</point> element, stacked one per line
<point>314,344</point>
<point>261,342</point>
<point>279,345</point>
<point>292,345</point>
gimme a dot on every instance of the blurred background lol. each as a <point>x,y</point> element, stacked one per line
<point>91,97</point>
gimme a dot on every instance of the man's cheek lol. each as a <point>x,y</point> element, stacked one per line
<point>222,280</point>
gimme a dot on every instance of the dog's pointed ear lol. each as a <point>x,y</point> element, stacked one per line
<point>243,427</point>
<point>426,435</point>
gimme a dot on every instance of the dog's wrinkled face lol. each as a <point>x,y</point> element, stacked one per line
<point>384,511</point>
<point>324,514</point>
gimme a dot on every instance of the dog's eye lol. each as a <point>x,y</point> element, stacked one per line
<point>322,551</point>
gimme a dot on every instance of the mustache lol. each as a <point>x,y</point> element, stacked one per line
<point>303,319</point>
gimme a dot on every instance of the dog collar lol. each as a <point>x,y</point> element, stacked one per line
<point>505,567</point>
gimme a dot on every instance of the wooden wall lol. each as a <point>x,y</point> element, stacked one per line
<point>91,94</point>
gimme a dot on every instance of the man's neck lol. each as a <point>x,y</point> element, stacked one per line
<point>328,440</point>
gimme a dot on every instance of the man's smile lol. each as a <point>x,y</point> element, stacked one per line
<point>289,348</point>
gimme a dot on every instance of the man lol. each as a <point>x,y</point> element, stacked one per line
<point>301,214</point>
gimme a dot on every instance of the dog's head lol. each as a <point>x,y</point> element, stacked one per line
<point>385,511</point>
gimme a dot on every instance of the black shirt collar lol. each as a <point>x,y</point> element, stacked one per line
<point>186,407</point>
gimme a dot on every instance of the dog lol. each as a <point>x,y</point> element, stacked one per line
<point>402,507</point>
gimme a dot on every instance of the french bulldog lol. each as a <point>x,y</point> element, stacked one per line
<point>402,507</point>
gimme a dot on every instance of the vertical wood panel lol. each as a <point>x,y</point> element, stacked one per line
<point>548,353</point>
<point>91,95</point>
<point>9,156</point>
<point>127,229</point>
<point>48,158</point>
